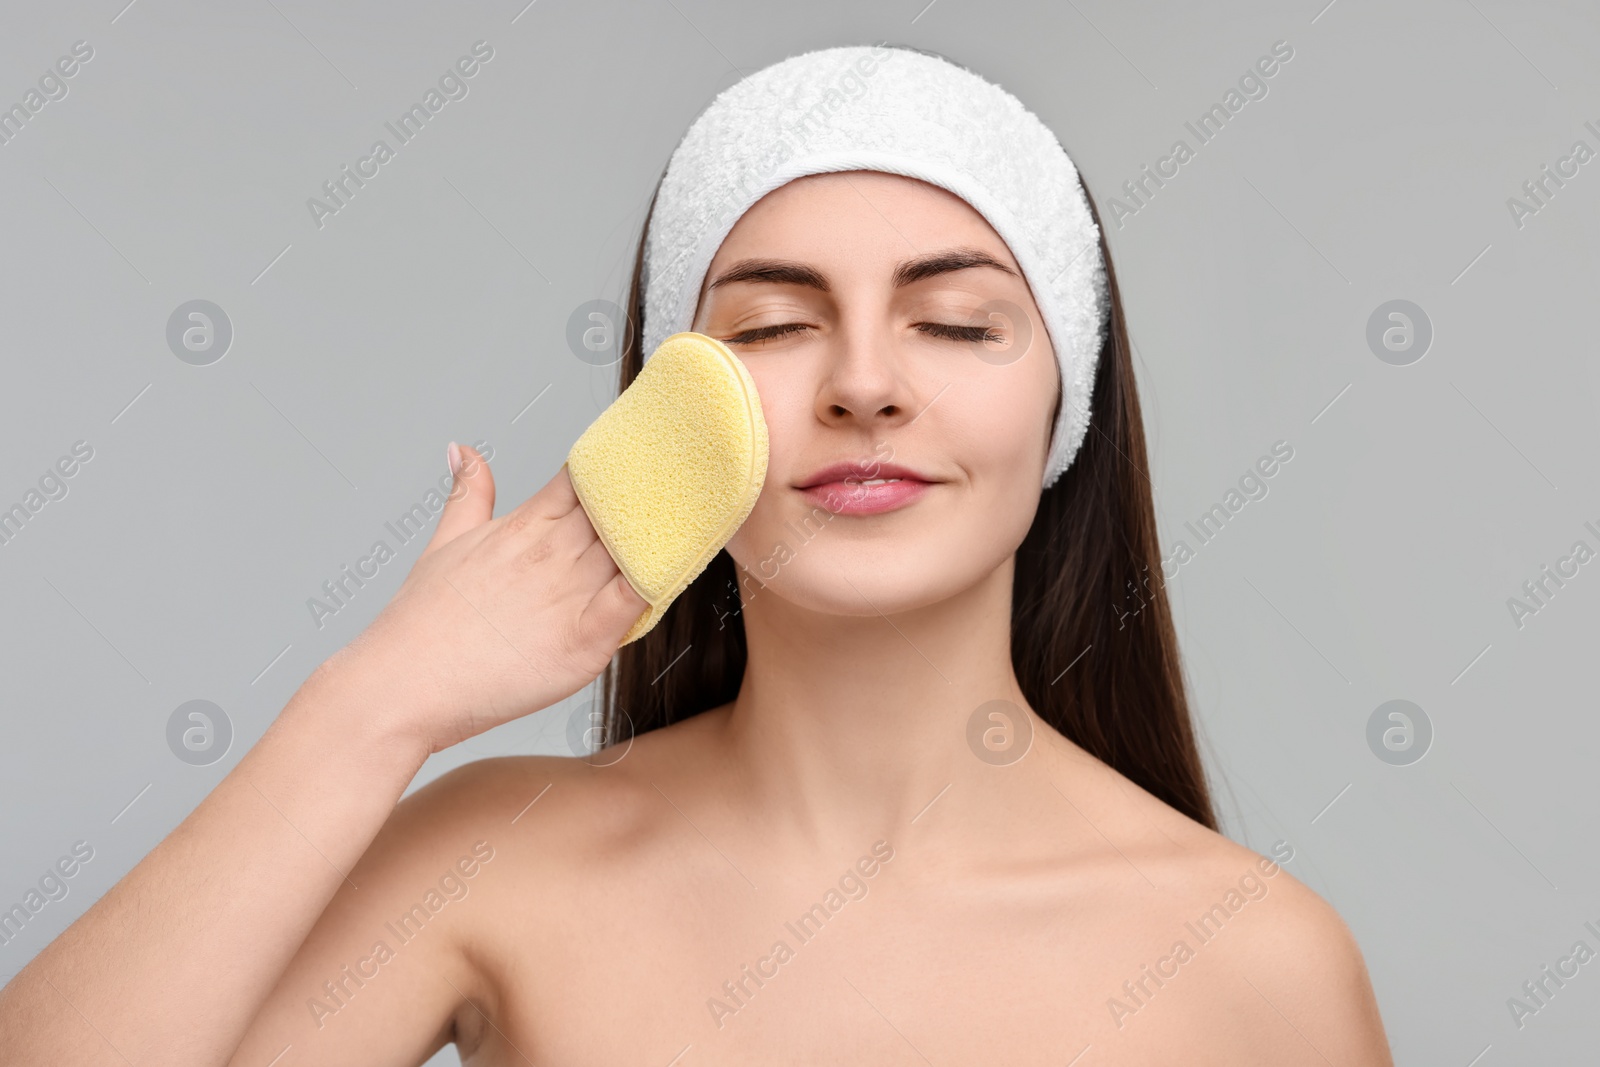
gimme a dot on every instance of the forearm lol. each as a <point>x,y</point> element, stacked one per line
<point>173,962</point>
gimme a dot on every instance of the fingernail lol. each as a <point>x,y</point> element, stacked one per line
<point>452,456</point>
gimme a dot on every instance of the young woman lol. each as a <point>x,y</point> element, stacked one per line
<point>897,780</point>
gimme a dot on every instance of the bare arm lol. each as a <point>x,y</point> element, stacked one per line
<point>497,619</point>
<point>169,966</point>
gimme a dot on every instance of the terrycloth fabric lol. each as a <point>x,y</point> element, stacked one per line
<point>867,107</point>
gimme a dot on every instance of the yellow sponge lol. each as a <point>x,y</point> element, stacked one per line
<point>671,469</point>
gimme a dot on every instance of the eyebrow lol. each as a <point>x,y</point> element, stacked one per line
<point>789,272</point>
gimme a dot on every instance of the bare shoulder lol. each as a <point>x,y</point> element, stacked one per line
<point>548,810</point>
<point>393,967</point>
<point>561,816</point>
<point>1287,973</point>
<point>600,800</point>
<point>1311,974</point>
<point>1247,953</point>
<point>550,834</point>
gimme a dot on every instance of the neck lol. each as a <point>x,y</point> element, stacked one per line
<point>847,728</point>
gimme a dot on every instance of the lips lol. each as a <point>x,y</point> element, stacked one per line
<point>860,471</point>
<point>864,487</point>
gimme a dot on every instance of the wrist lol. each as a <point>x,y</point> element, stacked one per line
<point>354,710</point>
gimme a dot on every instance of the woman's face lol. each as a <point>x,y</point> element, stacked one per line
<point>885,365</point>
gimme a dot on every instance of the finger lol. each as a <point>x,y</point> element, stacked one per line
<point>554,500</point>
<point>568,538</point>
<point>471,500</point>
<point>595,566</point>
<point>612,612</point>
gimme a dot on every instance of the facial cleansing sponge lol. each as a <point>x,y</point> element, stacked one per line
<point>669,472</point>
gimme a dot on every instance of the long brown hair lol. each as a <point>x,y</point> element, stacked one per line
<point>1092,640</point>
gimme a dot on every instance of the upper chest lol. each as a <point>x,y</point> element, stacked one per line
<point>704,963</point>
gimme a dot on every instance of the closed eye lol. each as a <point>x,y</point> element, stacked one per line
<point>968,334</point>
<point>962,333</point>
<point>763,333</point>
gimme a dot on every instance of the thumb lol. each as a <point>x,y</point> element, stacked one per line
<point>471,500</point>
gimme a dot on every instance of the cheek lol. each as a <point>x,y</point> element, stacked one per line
<point>1000,450</point>
<point>1000,422</point>
<point>764,532</point>
<point>788,414</point>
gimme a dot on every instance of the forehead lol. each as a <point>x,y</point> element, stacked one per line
<point>846,216</point>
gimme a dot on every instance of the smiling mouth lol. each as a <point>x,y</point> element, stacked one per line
<point>871,496</point>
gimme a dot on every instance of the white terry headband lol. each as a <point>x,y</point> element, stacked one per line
<point>888,109</point>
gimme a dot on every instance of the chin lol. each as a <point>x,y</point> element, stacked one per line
<point>844,565</point>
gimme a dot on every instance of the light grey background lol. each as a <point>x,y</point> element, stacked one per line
<point>434,306</point>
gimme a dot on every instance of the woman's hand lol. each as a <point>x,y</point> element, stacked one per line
<point>498,618</point>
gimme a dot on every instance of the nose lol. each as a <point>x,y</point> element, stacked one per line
<point>864,382</point>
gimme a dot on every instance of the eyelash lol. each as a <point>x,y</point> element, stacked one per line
<point>937,329</point>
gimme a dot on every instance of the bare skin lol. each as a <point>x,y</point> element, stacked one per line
<point>592,912</point>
